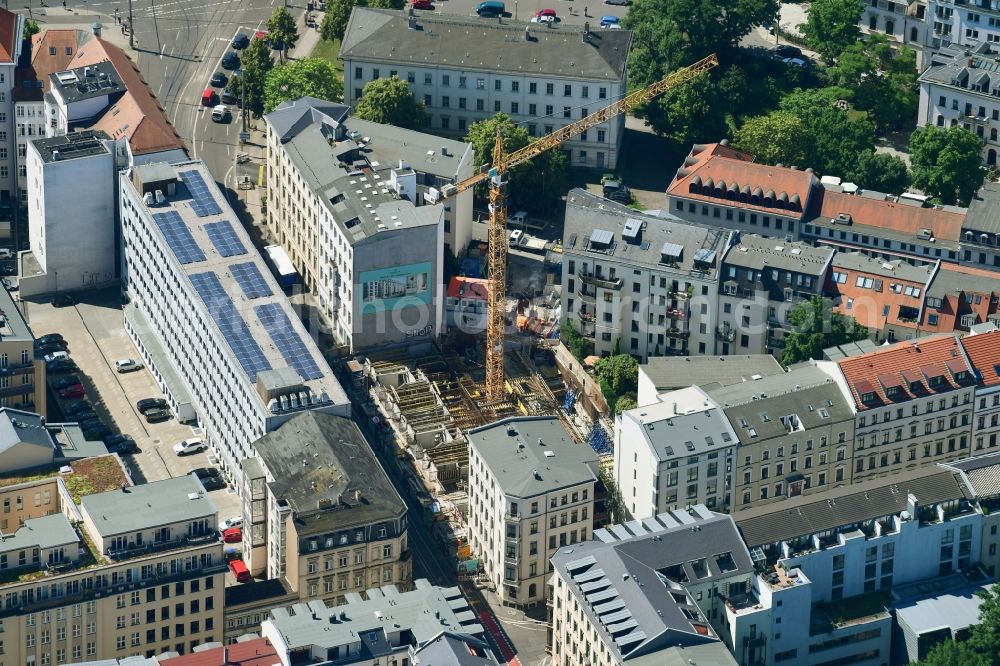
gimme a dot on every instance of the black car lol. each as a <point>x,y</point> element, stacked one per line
<point>50,347</point>
<point>51,337</point>
<point>213,482</point>
<point>206,472</point>
<point>231,60</point>
<point>788,51</point>
<point>119,443</point>
<point>86,415</point>
<point>230,97</point>
<point>61,366</point>
<point>77,407</point>
<point>218,80</point>
<point>98,432</point>
<point>147,404</point>
<point>240,41</point>
<point>157,415</point>
<point>88,421</point>
<point>66,382</point>
<point>63,300</point>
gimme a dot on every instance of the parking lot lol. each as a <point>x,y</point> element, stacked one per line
<point>96,335</point>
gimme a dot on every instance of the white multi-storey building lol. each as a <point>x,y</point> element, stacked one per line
<point>208,318</point>
<point>903,22</point>
<point>674,453</point>
<point>983,351</point>
<point>642,282</point>
<point>531,492</point>
<point>468,69</point>
<point>356,206</point>
<point>11,29</point>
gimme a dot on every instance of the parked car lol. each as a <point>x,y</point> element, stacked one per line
<point>74,391</point>
<point>147,404</point>
<point>205,472</point>
<point>232,535</point>
<point>63,300</point>
<point>491,8</point>
<point>124,365</point>
<point>232,521</point>
<point>788,51</point>
<point>229,96</point>
<point>188,446</point>
<point>544,16</point>
<point>96,433</point>
<point>240,571</point>
<point>78,407</point>
<point>90,423</point>
<point>213,483</point>
<point>797,62</point>
<point>60,366</point>
<point>422,4</point>
<point>120,443</point>
<point>50,337</point>
<point>157,415</point>
<point>240,41</point>
<point>50,347</point>
<point>610,22</point>
<point>620,3</point>
<point>220,113</point>
<point>218,80</point>
<point>230,60</point>
<point>85,415</point>
<point>56,356</point>
<point>66,382</point>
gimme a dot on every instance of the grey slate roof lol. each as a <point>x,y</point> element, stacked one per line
<point>471,44</point>
<point>981,474</point>
<point>149,505</point>
<point>316,457</point>
<point>956,606</point>
<point>44,532</point>
<point>896,268</point>
<point>292,116</point>
<point>760,253</point>
<point>20,427</point>
<point>674,372</point>
<point>450,649</point>
<point>671,435</point>
<point>19,329</point>
<point>511,450</point>
<point>617,579</point>
<point>984,210</point>
<point>586,213</point>
<point>425,612</point>
<point>846,505</point>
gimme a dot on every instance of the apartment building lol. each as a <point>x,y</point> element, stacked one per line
<point>958,24</point>
<point>645,283</point>
<point>827,564</point>
<point>959,298</point>
<point>903,22</point>
<point>321,513</point>
<point>94,582</point>
<point>983,352</point>
<point>531,492</point>
<point>978,475</point>
<point>426,625</point>
<point>914,403</point>
<point>661,374</point>
<point>885,296</point>
<point>761,280</point>
<point>357,207</point>
<point>22,373</point>
<point>11,44</point>
<point>795,434</point>
<point>649,592</point>
<point>208,318</point>
<point>466,307</point>
<point>676,452</point>
<point>469,69</point>
<point>248,605</point>
<point>28,444</point>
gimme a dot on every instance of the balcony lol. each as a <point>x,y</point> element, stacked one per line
<point>587,295</point>
<point>775,341</point>
<point>725,333</point>
<point>676,313</point>
<point>601,281</point>
<point>677,333</point>
<point>135,550</point>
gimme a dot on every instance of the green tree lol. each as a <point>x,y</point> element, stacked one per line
<point>308,77</point>
<point>281,26</point>
<point>880,172</point>
<point>620,373</point>
<point>816,326</point>
<point>387,4</point>
<point>390,102</point>
<point>535,185</point>
<point>980,648</point>
<point>953,653</point>
<point>577,345</point>
<point>837,136</point>
<point>256,64</point>
<point>777,138</point>
<point>31,28</point>
<point>882,79</point>
<point>687,113</point>
<point>946,163</point>
<point>625,402</point>
<point>832,25</point>
<point>334,22</point>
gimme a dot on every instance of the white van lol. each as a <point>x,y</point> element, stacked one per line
<point>220,113</point>
<point>515,237</point>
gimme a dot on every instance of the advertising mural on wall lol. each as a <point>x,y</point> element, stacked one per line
<point>399,286</point>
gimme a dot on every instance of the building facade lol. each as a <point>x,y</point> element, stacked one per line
<point>181,238</point>
<point>543,78</point>
<point>22,371</point>
<point>517,518</point>
<point>983,352</point>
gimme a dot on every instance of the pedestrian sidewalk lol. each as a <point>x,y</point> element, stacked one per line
<point>308,37</point>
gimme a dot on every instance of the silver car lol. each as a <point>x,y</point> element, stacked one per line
<point>620,3</point>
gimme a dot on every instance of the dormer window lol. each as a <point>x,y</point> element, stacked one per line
<point>892,391</point>
<point>868,397</point>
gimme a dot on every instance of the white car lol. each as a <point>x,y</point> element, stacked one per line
<point>220,113</point>
<point>192,445</point>
<point>55,356</point>
<point>798,62</point>
<point>544,18</point>
<point>232,521</point>
<point>127,365</point>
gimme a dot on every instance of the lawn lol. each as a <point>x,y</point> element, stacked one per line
<point>90,475</point>
<point>328,51</point>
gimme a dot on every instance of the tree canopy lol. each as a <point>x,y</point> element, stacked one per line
<point>832,25</point>
<point>946,163</point>
<point>880,172</point>
<point>281,26</point>
<point>980,648</point>
<point>256,63</point>
<point>578,345</point>
<point>536,185</point>
<point>882,78</point>
<point>334,22</point>
<point>313,77</point>
<point>837,136</point>
<point>391,102</point>
<point>620,372</point>
<point>816,326</point>
<point>779,137</point>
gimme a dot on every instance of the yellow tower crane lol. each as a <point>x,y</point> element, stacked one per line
<point>497,235</point>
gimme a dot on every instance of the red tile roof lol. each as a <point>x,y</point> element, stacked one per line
<point>963,290</point>
<point>258,652</point>
<point>983,351</point>
<point>717,173</point>
<point>9,36</point>
<point>475,288</point>
<point>875,371</point>
<point>902,218</point>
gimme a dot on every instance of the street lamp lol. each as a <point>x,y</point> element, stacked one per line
<point>131,27</point>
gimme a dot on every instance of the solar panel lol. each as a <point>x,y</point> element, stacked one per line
<point>178,237</point>
<point>288,341</point>
<point>230,323</point>
<point>224,238</point>
<point>201,199</point>
<point>250,279</point>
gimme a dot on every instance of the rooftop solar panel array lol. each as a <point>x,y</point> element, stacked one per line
<point>231,324</point>
<point>178,237</point>
<point>201,198</point>
<point>249,277</point>
<point>224,238</point>
<point>288,341</point>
